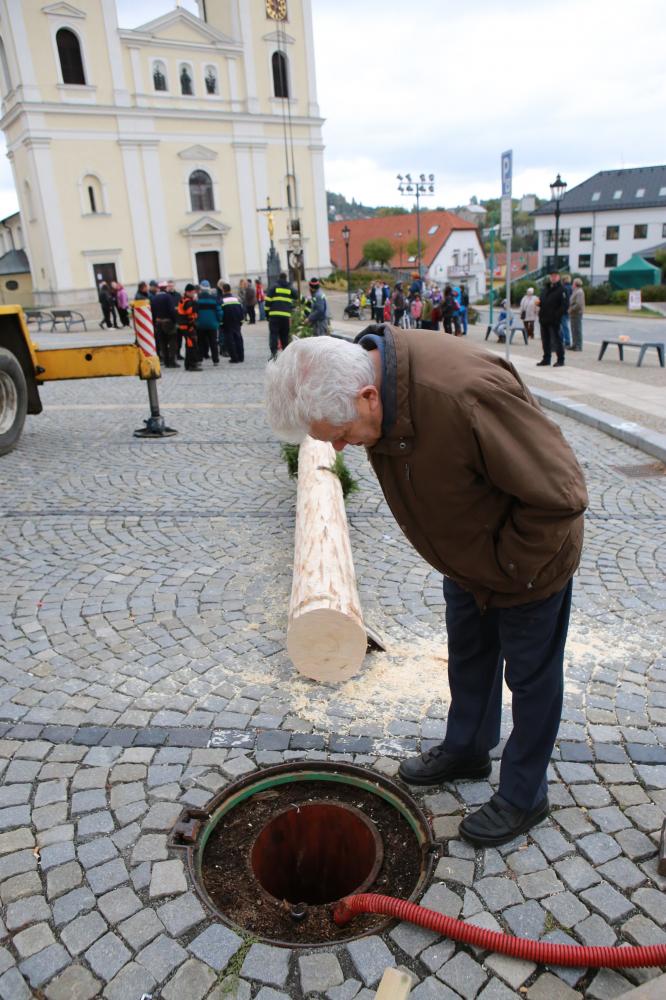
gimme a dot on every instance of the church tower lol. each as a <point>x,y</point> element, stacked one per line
<point>146,153</point>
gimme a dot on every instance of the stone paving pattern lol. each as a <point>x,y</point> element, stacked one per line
<point>143,668</point>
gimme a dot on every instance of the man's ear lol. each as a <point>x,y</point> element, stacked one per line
<point>370,393</point>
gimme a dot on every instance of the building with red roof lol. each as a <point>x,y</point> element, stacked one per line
<point>452,248</point>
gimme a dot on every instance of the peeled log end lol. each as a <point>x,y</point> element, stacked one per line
<point>326,645</point>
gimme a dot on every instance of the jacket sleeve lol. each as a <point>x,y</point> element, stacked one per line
<point>523,454</point>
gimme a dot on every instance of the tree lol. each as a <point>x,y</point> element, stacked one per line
<point>390,210</point>
<point>380,250</point>
<point>413,248</point>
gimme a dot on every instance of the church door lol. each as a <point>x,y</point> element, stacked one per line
<point>104,272</point>
<point>208,266</point>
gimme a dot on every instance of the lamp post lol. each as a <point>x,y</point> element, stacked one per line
<point>346,233</point>
<point>422,187</point>
<point>557,189</point>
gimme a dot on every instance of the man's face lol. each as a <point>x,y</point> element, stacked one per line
<point>555,277</point>
<point>365,430</point>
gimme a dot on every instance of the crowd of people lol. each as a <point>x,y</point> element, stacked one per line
<point>423,305</point>
<point>200,324</point>
<point>206,323</point>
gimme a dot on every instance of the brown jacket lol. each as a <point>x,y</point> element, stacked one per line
<point>479,479</point>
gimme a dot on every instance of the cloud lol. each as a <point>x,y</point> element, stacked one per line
<point>444,88</point>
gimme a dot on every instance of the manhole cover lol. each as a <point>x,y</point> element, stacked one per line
<point>273,852</point>
<point>647,471</point>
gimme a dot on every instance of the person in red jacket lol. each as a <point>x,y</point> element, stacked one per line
<point>186,312</point>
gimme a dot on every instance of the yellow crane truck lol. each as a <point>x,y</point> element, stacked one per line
<point>24,367</point>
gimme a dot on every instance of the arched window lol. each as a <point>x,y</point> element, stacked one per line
<point>6,77</point>
<point>71,62</point>
<point>290,184</point>
<point>186,80</point>
<point>159,76</point>
<point>92,195</point>
<point>280,79</point>
<point>201,192</point>
<point>211,80</point>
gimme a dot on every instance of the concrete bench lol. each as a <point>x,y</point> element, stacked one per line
<point>621,344</point>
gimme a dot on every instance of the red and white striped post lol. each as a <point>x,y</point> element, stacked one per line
<point>143,327</point>
<point>142,319</point>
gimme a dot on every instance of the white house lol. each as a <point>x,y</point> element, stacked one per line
<point>604,221</point>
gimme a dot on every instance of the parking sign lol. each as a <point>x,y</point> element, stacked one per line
<point>507,171</point>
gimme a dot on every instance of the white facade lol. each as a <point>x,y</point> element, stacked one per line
<point>595,242</point>
<point>155,163</point>
<point>461,259</point>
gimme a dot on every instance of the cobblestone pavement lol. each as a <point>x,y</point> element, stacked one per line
<point>143,668</point>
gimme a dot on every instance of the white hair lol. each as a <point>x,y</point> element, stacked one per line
<point>315,378</point>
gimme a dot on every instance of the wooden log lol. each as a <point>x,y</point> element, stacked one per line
<point>326,638</point>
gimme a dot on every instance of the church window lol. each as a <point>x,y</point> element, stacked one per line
<point>280,79</point>
<point>201,192</point>
<point>6,78</point>
<point>290,182</point>
<point>71,62</point>
<point>186,80</point>
<point>92,195</point>
<point>211,80</point>
<point>159,76</point>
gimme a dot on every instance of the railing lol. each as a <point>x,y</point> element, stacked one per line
<point>464,270</point>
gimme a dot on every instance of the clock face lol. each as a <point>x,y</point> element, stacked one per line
<point>277,9</point>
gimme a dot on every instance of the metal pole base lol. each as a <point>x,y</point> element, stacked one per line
<point>155,428</point>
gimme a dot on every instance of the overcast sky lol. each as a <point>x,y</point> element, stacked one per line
<point>442,87</point>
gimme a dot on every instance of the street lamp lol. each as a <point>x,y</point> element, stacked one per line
<point>557,189</point>
<point>346,233</point>
<point>422,187</point>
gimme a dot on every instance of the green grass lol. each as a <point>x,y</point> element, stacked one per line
<point>619,310</point>
<point>230,974</point>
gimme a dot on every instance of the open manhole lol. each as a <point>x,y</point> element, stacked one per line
<point>272,853</point>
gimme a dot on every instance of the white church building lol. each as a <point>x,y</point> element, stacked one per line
<point>148,153</point>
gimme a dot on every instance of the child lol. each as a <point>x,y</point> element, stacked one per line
<point>415,310</point>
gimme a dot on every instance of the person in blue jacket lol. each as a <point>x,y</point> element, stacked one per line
<point>208,319</point>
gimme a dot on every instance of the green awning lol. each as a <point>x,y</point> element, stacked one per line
<point>635,273</point>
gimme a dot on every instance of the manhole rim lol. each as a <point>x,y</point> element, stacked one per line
<point>193,828</point>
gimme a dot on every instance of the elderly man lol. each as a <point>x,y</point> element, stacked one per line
<point>487,490</point>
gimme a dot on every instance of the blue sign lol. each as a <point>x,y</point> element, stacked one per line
<point>507,172</point>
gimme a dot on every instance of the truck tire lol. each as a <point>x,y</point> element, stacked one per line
<point>13,400</point>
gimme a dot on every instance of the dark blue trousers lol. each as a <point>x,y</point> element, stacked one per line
<point>526,645</point>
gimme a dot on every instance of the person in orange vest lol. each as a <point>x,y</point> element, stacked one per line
<point>186,310</point>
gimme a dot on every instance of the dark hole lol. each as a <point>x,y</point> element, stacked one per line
<point>88,357</point>
<point>316,853</point>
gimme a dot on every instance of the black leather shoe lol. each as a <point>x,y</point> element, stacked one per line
<point>498,822</point>
<point>543,364</point>
<point>559,364</point>
<point>436,765</point>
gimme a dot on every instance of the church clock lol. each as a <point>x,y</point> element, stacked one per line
<point>277,9</point>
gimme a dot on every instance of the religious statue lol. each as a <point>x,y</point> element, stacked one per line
<point>185,81</point>
<point>211,81</point>
<point>159,79</point>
